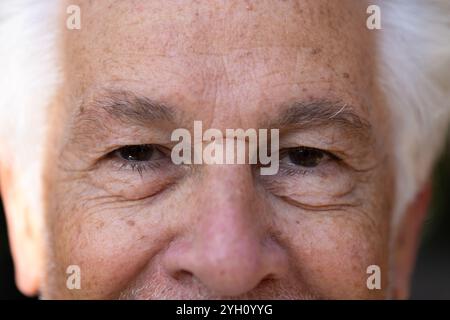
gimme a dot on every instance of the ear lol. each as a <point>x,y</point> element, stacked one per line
<point>407,241</point>
<point>22,231</point>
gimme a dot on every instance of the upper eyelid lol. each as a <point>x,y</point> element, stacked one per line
<point>330,154</point>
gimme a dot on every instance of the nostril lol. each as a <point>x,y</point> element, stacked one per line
<point>183,275</point>
<point>267,280</point>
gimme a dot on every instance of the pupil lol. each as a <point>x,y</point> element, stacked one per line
<point>136,153</point>
<point>305,157</point>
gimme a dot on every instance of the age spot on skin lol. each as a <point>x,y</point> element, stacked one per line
<point>100,225</point>
<point>315,51</point>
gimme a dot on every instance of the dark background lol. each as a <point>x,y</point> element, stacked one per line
<point>431,278</point>
<point>432,275</point>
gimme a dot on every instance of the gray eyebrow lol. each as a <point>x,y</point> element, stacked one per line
<point>128,106</point>
<point>323,113</point>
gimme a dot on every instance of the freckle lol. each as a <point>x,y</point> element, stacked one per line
<point>315,51</point>
<point>100,225</point>
<point>297,222</point>
<point>131,223</point>
<point>346,75</point>
<point>304,90</point>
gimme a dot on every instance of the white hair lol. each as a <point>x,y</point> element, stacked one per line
<point>414,75</point>
<point>413,55</point>
<point>29,76</point>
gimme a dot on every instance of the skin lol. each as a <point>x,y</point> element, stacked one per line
<point>219,231</point>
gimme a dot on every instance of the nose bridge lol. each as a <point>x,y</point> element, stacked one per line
<point>227,213</point>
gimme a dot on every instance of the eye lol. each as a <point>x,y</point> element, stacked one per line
<point>307,157</point>
<point>140,157</point>
<point>137,153</point>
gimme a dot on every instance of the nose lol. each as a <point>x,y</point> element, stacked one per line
<point>229,248</point>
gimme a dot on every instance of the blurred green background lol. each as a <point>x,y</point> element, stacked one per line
<point>431,278</point>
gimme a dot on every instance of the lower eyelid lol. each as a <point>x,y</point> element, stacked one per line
<point>291,170</point>
<point>327,166</point>
<point>137,166</point>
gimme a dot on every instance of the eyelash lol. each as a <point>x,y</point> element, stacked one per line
<point>295,170</point>
<point>285,169</point>
<point>139,167</point>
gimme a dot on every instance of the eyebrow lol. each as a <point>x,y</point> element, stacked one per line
<point>323,113</point>
<point>130,107</point>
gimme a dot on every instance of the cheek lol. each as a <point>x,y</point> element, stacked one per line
<point>110,247</point>
<point>332,253</point>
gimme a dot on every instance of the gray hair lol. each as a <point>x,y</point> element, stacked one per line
<point>414,75</point>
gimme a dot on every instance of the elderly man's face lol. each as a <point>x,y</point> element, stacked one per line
<point>140,226</point>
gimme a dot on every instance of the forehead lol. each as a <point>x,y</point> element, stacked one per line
<point>202,55</point>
